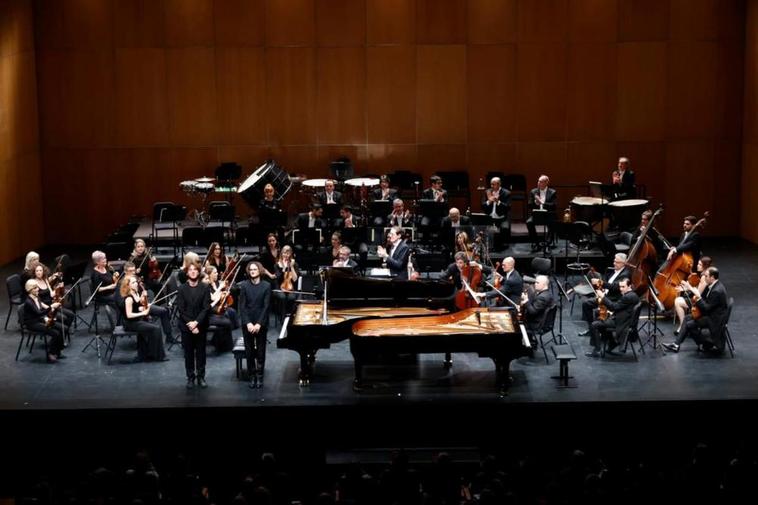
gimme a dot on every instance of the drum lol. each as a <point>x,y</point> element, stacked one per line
<point>204,187</point>
<point>587,208</point>
<point>362,181</point>
<point>187,186</point>
<point>627,213</point>
<point>205,179</point>
<point>268,173</point>
<point>314,183</point>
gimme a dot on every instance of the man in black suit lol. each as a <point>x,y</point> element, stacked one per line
<point>541,198</point>
<point>627,177</point>
<point>254,304</point>
<point>344,260</point>
<point>347,218</point>
<point>400,216</point>
<point>512,284</point>
<point>329,196</point>
<point>713,306</point>
<point>454,219</point>
<point>435,191</point>
<point>617,191</point>
<point>611,288</point>
<point>620,321</point>
<point>536,304</point>
<point>397,256</point>
<point>384,191</point>
<point>311,219</point>
<point>496,204</point>
<point>689,241</point>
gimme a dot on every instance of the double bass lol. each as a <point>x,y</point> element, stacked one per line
<point>643,258</point>
<point>674,271</point>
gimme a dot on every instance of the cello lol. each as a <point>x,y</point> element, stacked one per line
<point>674,271</point>
<point>466,297</point>
<point>643,258</point>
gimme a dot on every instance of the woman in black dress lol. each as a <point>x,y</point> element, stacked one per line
<point>270,256</point>
<point>216,257</point>
<point>46,293</point>
<point>103,279</point>
<point>36,318</point>
<point>150,340</point>
<point>287,275</point>
<point>226,321</point>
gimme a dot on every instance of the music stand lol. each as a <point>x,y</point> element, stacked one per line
<point>228,171</point>
<point>351,236</point>
<point>431,262</point>
<point>307,238</point>
<point>652,334</point>
<point>561,295</point>
<point>380,208</point>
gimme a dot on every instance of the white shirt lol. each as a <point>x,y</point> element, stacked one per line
<point>455,224</point>
<point>494,213</point>
<point>311,221</point>
<point>392,249</point>
<point>330,197</point>
<point>543,197</point>
<point>615,274</point>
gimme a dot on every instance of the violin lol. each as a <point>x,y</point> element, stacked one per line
<point>287,281</point>
<point>498,280</point>
<point>225,300</point>
<point>59,294</point>
<point>602,310</point>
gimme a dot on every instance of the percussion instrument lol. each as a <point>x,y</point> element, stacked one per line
<point>187,186</point>
<point>204,187</point>
<point>362,181</point>
<point>314,183</point>
<point>205,179</point>
<point>268,173</point>
<point>626,213</point>
<point>587,208</point>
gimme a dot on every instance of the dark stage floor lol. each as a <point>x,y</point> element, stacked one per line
<point>85,382</point>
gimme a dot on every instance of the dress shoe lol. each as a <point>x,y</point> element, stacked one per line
<point>611,346</point>
<point>190,383</point>
<point>51,358</point>
<point>165,358</point>
<point>201,382</point>
<point>585,333</point>
<point>260,381</point>
<point>671,346</point>
<point>61,356</point>
<point>593,354</point>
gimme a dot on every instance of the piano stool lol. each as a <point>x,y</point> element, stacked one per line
<point>563,354</point>
<point>239,354</point>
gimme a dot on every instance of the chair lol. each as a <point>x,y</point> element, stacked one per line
<point>15,294</point>
<point>548,324</point>
<point>728,342</point>
<point>31,337</point>
<point>193,238</point>
<point>114,331</point>
<point>542,266</point>
<point>166,216</point>
<point>632,334</point>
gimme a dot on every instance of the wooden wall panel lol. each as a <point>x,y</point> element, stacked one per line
<point>239,22</point>
<point>391,94</point>
<point>542,21</point>
<point>686,164</point>
<point>587,161</point>
<point>18,105</point>
<point>250,157</point>
<point>88,89</point>
<point>441,21</point>
<point>642,72</point>
<point>591,94</point>
<point>749,175</point>
<point>725,177</point>
<point>686,95</point>
<point>241,95</point>
<point>491,93</point>
<point>291,95</point>
<point>435,158</point>
<point>189,22</point>
<point>341,96</point>
<point>390,21</point>
<point>341,23</point>
<point>593,20</point>
<point>749,201</point>
<point>290,22</point>
<point>358,155</point>
<point>16,27</point>
<point>707,19</point>
<point>73,24</point>
<point>492,21</point>
<point>731,63</point>
<point>541,109</point>
<point>141,97</point>
<point>385,158</point>
<point>441,94</point>
<point>192,96</point>
<point>138,23</point>
<point>298,159</point>
<point>483,158</point>
<point>648,160</point>
<point>643,20</point>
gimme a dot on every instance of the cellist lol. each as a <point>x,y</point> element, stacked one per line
<point>470,271</point>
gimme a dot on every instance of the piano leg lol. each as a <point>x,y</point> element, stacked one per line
<point>502,374</point>
<point>358,381</point>
<point>448,360</point>
<point>306,367</point>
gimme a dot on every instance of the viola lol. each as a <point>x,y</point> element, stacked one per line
<point>287,281</point>
<point>226,299</point>
<point>58,295</point>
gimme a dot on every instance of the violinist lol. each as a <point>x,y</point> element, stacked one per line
<point>689,289</point>
<point>511,283</point>
<point>336,242</point>
<point>344,260</point>
<point>161,313</point>
<point>459,270</point>
<point>135,312</point>
<point>464,245</point>
<point>193,302</point>
<point>536,303</point>
<point>689,241</point>
<point>619,321</point>
<point>35,320</point>
<point>543,198</point>
<point>713,308</point>
<point>254,303</point>
<point>396,253</point>
<point>611,288</point>
<point>496,204</point>
<point>399,216</point>
<point>146,265</point>
<point>270,256</point>
<point>227,320</point>
<point>216,257</point>
<point>103,279</point>
<point>47,293</point>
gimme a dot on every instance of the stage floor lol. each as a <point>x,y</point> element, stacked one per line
<point>85,382</point>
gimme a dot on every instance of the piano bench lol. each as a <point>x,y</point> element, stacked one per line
<point>239,354</point>
<point>563,354</point>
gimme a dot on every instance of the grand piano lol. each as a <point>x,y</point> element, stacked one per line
<point>489,332</point>
<point>349,298</point>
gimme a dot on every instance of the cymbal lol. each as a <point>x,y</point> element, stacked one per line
<point>205,179</point>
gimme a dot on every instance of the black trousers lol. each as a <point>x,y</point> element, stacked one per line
<point>533,231</point>
<point>691,328</point>
<point>194,353</point>
<point>55,340</point>
<point>255,350</point>
<point>598,330</point>
<point>503,238</point>
<point>149,339</point>
<point>164,315</point>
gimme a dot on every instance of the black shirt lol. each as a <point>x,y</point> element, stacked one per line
<point>254,302</point>
<point>96,278</point>
<point>193,303</point>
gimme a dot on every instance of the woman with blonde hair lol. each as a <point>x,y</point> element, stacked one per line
<point>136,319</point>
<point>36,318</point>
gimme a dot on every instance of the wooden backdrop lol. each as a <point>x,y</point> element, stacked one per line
<point>137,95</point>
<point>21,223</point>
<point>750,133</point>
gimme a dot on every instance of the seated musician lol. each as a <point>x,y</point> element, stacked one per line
<point>103,279</point>
<point>384,191</point>
<point>611,288</point>
<point>333,251</point>
<point>35,320</point>
<point>329,196</point>
<point>683,301</point>
<point>400,216</point>
<point>311,219</point>
<point>542,198</point>
<point>47,293</point>
<point>689,241</point>
<point>141,258</point>
<point>713,306</point>
<point>216,257</point>
<point>536,303</point>
<point>158,311</point>
<point>496,204</point>
<point>511,283</point>
<point>270,213</point>
<point>225,320</point>
<point>270,255</point>
<point>454,273</point>
<point>344,260</point>
<point>454,219</point>
<point>287,275</point>
<point>617,191</point>
<point>627,177</point>
<point>434,193</point>
<point>397,255</point>
<point>28,273</point>
<point>463,244</point>
<point>136,319</point>
<point>348,219</point>
<point>619,321</point>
